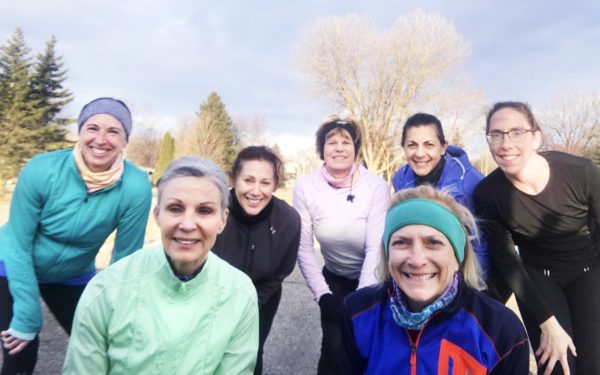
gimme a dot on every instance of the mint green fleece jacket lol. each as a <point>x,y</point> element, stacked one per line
<point>55,229</point>
<point>137,317</point>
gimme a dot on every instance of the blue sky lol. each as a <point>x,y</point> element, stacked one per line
<point>165,57</point>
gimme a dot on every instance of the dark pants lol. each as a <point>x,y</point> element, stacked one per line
<point>575,302</point>
<point>497,288</point>
<point>60,299</point>
<point>329,363</point>
<point>266,314</point>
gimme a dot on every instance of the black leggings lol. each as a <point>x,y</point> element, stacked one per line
<point>329,362</point>
<point>60,299</point>
<point>266,314</point>
<point>575,302</point>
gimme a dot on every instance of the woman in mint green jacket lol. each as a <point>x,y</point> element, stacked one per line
<point>66,203</point>
<point>173,308</point>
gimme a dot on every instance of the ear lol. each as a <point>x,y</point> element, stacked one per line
<point>224,220</point>
<point>444,148</point>
<point>538,140</point>
<point>155,214</point>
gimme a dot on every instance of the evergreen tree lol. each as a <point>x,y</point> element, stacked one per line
<point>31,97</point>
<point>18,112</point>
<point>213,110</point>
<point>167,150</point>
<point>50,95</point>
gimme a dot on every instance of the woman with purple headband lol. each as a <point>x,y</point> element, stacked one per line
<point>65,205</point>
<point>343,206</point>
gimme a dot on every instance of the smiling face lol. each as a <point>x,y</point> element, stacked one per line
<point>189,216</point>
<point>423,149</point>
<point>512,157</point>
<point>102,139</point>
<point>338,153</point>
<point>422,263</point>
<point>254,185</point>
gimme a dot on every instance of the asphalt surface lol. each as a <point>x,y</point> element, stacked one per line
<point>292,347</point>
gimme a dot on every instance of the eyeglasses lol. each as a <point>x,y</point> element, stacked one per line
<point>515,135</point>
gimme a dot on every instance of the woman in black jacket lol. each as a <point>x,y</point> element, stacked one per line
<point>262,233</point>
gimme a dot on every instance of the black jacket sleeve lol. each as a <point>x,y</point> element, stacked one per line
<point>505,259</point>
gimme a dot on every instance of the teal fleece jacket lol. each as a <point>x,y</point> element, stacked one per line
<point>55,229</point>
<point>137,317</point>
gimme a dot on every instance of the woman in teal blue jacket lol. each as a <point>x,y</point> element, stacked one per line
<point>66,203</point>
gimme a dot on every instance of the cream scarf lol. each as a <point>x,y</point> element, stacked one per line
<point>95,181</point>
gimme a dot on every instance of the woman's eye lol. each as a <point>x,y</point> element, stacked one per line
<point>398,243</point>
<point>435,243</point>
<point>174,209</point>
<point>205,210</point>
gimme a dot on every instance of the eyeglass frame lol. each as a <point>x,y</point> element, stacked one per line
<point>507,134</point>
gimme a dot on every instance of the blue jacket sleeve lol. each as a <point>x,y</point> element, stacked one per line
<point>131,228</point>
<point>17,251</point>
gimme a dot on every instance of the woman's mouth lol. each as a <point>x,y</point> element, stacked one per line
<point>185,241</point>
<point>419,276</point>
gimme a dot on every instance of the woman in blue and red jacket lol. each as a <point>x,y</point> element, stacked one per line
<point>428,316</point>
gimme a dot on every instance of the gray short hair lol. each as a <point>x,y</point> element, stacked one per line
<point>195,167</point>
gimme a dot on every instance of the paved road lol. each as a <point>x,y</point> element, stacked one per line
<point>292,347</point>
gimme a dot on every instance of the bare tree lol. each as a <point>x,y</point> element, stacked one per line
<point>379,78</point>
<point>144,146</point>
<point>572,122</point>
<point>301,163</point>
<point>251,131</point>
<point>201,136</point>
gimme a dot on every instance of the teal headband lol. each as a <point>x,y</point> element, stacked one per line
<point>426,212</point>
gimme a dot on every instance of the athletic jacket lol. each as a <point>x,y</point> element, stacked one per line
<point>137,317</point>
<point>473,333</point>
<point>459,178</point>
<point>56,228</point>
<point>265,248</point>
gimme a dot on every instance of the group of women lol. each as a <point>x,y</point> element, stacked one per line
<point>403,286</point>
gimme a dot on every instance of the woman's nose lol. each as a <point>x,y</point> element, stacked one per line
<point>416,256</point>
<point>188,221</point>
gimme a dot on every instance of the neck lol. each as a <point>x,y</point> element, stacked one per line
<point>338,174</point>
<point>534,177</point>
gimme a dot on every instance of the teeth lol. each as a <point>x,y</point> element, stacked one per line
<point>421,277</point>
<point>99,150</point>
<point>185,242</point>
<point>509,157</point>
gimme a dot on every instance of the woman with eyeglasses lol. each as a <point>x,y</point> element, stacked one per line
<point>541,215</point>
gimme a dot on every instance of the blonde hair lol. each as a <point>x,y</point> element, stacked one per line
<point>469,268</point>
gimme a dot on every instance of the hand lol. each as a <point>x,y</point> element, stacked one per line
<point>554,343</point>
<point>330,305</point>
<point>13,344</point>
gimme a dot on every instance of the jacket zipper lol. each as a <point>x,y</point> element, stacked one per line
<point>414,345</point>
